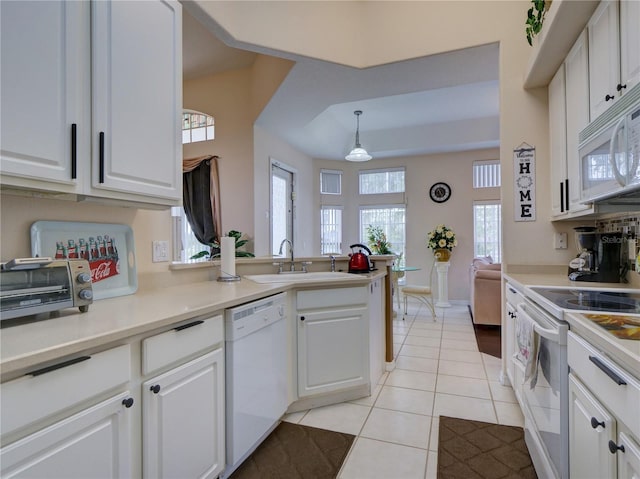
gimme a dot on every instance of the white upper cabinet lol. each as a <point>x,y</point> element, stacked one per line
<point>614,52</point>
<point>577,110</point>
<point>92,99</point>
<point>558,143</point>
<point>45,53</point>
<point>137,97</point>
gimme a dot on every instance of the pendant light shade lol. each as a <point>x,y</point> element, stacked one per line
<point>358,153</point>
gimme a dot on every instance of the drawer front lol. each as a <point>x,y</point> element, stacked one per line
<point>50,390</point>
<point>601,375</point>
<point>332,297</point>
<point>181,342</point>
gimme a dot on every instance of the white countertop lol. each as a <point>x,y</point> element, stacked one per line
<point>624,351</point>
<point>25,343</point>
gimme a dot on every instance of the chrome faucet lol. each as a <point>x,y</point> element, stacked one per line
<point>290,250</point>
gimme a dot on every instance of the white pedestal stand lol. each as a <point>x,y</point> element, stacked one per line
<point>442,269</point>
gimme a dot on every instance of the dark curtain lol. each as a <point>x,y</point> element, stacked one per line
<point>201,197</point>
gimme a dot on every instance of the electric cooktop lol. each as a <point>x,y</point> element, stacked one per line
<point>592,300</point>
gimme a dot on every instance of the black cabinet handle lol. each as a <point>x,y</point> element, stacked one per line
<point>620,86</point>
<point>614,448</point>
<point>101,179</point>
<point>188,325</point>
<point>609,97</point>
<point>155,389</point>
<point>74,151</point>
<point>561,197</point>
<point>302,318</point>
<point>128,402</point>
<point>61,365</point>
<point>595,423</point>
<point>566,194</point>
<point>605,369</point>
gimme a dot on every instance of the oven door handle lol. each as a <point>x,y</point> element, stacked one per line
<point>550,334</point>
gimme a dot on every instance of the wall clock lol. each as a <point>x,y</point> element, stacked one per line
<point>440,192</point>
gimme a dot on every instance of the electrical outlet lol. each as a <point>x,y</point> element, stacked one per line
<point>160,251</point>
<point>560,240</point>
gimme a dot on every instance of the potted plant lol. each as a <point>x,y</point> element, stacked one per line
<point>214,248</point>
<point>535,18</point>
<point>377,240</point>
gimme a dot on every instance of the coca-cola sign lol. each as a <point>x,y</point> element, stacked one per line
<point>103,269</point>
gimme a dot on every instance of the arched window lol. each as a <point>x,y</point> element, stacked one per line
<point>197,126</point>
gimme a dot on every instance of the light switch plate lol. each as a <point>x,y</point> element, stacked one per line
<point>560,240</point>
<point>160,251</point>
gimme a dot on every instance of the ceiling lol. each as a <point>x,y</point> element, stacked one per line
<point>440,103</point>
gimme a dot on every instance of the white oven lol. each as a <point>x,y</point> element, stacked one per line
<point>541,358</point>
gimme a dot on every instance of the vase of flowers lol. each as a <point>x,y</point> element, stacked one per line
<point>442,240</point>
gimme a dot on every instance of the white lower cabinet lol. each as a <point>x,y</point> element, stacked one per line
<point>92,443</point>
<point>183,420</point>
<point>591,428</point>
<point>604,417</point>
<point>333,340</point>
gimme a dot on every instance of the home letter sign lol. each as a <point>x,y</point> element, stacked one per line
<point>524,175</point>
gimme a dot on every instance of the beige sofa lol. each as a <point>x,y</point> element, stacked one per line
<point>485,278</point>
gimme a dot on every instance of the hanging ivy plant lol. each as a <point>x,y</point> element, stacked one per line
<point>535,18</point>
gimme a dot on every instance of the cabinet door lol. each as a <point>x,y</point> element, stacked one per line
<point>183,420</point>
<point>333,350</point>
<point>577,101</point>
<point>589,455</point>
<point>604,57</point>
<point>92,443</point>
<point>45,92</point>
<point>137,99</point>
<point>629,44</point>
<point>558,143</point>
<point>629,461</point>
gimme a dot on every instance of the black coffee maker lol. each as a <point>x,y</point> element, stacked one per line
<point>599,256</point>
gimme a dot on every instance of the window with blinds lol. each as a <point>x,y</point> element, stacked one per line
<point>487,229</point>
<point>391,218</point>
<point>486,174</point>
<point>375,182</point>
<point>331,182</point>
<point>331,230</point>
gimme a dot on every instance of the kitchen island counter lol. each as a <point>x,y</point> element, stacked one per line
<point>30,341</point>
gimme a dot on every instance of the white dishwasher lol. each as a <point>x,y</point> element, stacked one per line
<point>256,375</point>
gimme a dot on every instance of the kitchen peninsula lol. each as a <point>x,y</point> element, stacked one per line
<point>106,369</point>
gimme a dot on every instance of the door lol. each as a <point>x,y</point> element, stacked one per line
<point>591,428</point>
<point>183,420</point>
<point>629,461</point>
<point>629,44</point>
<point>577,110</point>
<point>544,390</point>
<point>282,205</point>
<point>604,57</point>
<point>137,98</point>
<point>333,350</point>
<point>558,143</point>
<point>94,443</point>
<point>45,104</point>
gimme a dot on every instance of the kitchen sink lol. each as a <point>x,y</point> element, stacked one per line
<point>302,277</point>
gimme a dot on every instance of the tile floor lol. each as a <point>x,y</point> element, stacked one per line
<point>439,371</point>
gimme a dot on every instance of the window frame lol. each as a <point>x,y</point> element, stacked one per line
<point>339,228</point>
<point>497,258</point>
<point>362,173</point>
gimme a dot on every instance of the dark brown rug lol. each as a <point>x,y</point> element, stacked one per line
<point>294,451</point>
<point>487,337</point>
<point>479,450</point>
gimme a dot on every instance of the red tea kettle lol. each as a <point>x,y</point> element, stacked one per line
<point>358,261</point>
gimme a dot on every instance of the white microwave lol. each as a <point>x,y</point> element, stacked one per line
<point>610,154</point>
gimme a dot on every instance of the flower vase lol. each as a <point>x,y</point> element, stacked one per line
<point>442,254</point>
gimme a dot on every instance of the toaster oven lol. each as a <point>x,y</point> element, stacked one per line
<point>38,285</point>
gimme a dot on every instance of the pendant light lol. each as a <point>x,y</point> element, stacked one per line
<point>358,153</point>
